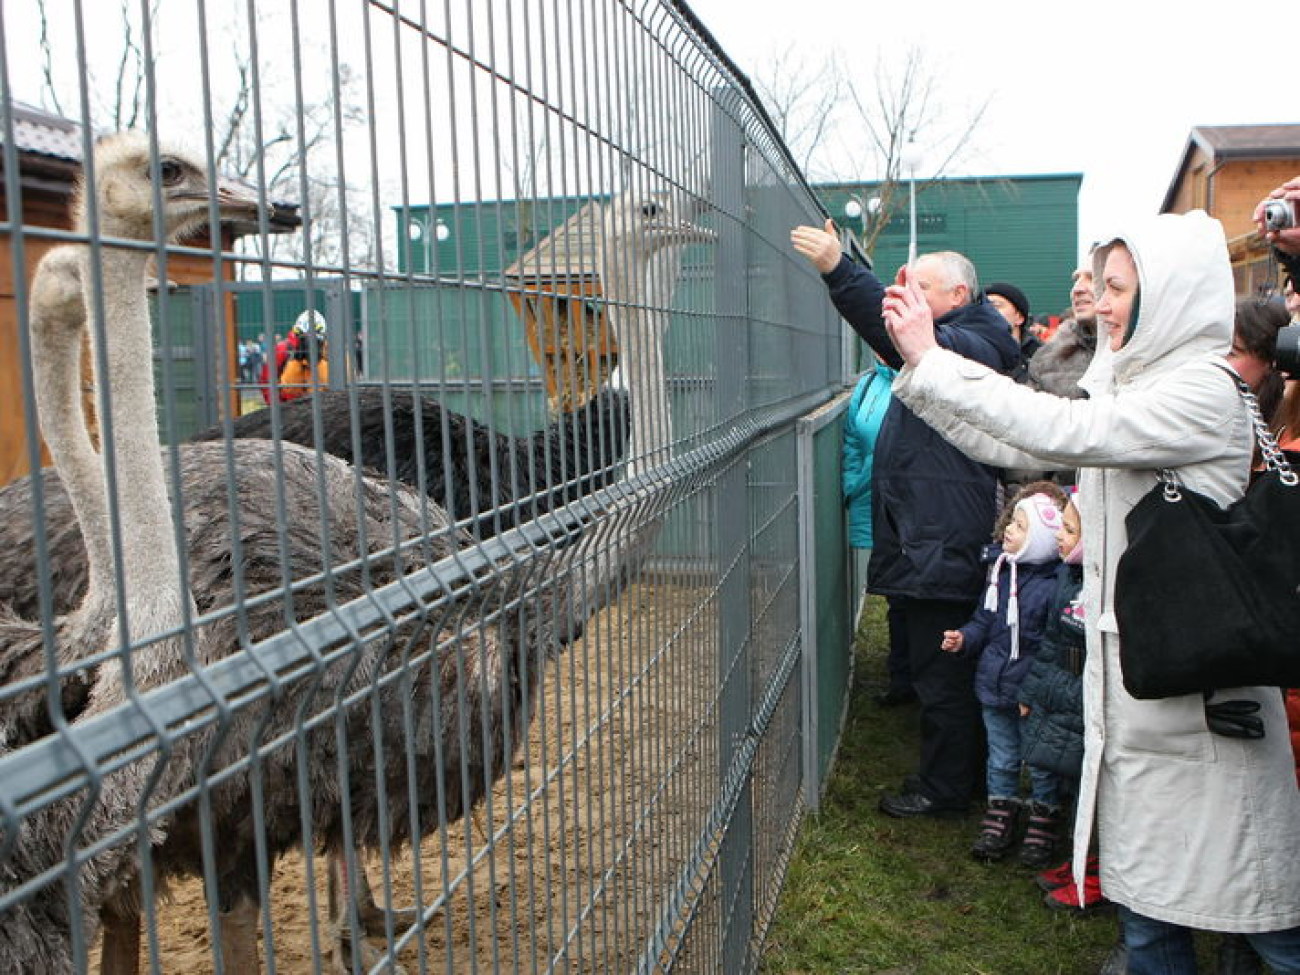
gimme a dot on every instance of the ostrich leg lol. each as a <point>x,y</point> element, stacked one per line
<point>239,937</point>
<point>372,918</point>
<point>120,948</point>
<point>119,952</point>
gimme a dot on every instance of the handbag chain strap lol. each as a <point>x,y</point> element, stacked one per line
<point>1274,459</point>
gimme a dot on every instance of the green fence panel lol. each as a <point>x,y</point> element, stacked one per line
<point>834,611</point>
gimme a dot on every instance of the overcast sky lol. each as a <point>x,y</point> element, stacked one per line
<point>1106,88</point>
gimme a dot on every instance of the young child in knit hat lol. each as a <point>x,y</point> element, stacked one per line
<point>1004,634</point>
<point>1051,701</point>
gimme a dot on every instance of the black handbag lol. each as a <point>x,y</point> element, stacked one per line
<point>1207,598</point>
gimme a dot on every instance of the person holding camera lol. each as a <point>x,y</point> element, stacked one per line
<point>1276,218</point>
<point>1197,828</point>
<point>301,359</point>
<point>931,508</point>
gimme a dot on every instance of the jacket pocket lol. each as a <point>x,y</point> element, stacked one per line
<point>1173,727</point>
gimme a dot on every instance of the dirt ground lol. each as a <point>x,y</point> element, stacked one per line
<point>568,865</point>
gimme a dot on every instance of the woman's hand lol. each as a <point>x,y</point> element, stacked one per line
<point>821,247</point>
<point>952,641</point>
<point>908,318</point>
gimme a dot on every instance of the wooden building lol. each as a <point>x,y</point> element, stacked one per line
<point>1226,170</point>
<point>47,152</point>
<point>555,289</point>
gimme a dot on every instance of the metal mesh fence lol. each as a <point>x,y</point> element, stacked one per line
<point>488,653</point>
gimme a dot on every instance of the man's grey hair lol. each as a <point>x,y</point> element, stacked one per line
<point>957,269</point>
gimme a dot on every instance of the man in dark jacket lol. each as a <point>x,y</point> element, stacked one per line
<point>933,511</point>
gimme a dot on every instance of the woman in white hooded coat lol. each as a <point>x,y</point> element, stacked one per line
<point>1195,830</point>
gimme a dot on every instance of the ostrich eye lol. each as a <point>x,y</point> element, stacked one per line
<point>650,210</point>
<point>171,171</point>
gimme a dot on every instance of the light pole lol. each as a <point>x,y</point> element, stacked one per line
<point>864,210</point>
<point>417,229</point>
<point>911,161</point>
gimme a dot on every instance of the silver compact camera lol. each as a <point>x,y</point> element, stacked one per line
<point>1279,215</point>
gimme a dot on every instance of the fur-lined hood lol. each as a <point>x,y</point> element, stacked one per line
<point>1058,366</point>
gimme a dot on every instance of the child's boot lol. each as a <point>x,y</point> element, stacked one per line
<point>1041,836</point>
<point>997,830</point>
<point>1067,898</point>
<point>1061,876</point>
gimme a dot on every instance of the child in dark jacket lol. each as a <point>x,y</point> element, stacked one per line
<point>1051,701</point>
<point>1005,633</point>
<point>1051,695</point>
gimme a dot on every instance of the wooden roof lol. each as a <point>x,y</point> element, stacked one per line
<point>1223,143</point>
<point>571,250</point>
<point>48,147</point>
<point>1253,141</point>
<point>43,133</point>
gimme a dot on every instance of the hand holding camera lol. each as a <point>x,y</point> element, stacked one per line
<point>1276,217</point>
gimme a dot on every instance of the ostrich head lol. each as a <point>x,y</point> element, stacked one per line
<point>636,225</point>
<point>128,186</point>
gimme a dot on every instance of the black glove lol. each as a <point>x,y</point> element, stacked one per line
<point>1233,719</point>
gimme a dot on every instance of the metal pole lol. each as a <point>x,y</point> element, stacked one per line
<point>911,216</point>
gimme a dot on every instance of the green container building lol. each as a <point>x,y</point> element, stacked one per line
<point>1020,229</point>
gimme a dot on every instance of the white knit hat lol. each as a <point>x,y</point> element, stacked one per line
<point>1044,520</point>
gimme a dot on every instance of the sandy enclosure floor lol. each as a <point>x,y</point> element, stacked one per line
<point>568,866</point>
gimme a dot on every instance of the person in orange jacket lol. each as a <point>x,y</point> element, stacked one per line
<point>301,359</point>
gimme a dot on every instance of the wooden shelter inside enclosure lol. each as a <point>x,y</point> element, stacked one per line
<point>48,152</point>
<point>1226,170</point>
<point>555,288</point>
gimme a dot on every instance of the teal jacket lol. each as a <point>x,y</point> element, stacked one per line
<point>861,427</point>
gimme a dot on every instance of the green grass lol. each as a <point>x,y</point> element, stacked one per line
<point>871,895</point>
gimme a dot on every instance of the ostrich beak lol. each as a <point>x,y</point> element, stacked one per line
<point>240,205</point>
<point>237,200</point>
<point>681,232</point>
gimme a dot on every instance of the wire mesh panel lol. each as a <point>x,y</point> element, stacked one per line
<point>476,645</point>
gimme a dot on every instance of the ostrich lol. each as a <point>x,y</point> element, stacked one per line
<point>472,471</point>
<point>485,666</point>
<point>148,597</point>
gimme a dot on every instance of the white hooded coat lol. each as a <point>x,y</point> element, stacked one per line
<point>1193,828</point>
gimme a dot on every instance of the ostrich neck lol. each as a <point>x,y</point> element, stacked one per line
<point>617,545</point>
<point>639,324</point>
<point>151,564</point>
<point>56,361</point>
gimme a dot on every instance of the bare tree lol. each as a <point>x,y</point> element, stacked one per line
<point>803,102</point>
<point>293,155</point>
<point>848,131</point>
<point>121,103</point>
<point>288,149</point>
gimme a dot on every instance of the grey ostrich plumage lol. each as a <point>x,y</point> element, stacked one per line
<point>474,684</point>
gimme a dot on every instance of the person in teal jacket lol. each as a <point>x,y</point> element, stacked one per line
<point>861,427</point>
<point>862,422</point>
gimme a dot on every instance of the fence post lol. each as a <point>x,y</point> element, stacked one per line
<point>732,518</point>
